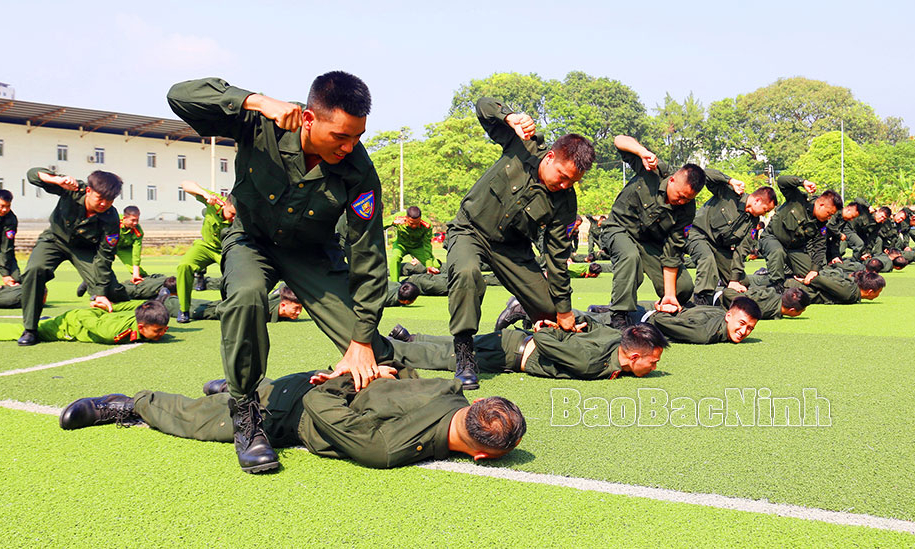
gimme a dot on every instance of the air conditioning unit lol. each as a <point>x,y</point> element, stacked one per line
<point>53,168</point>
<point>90,159</point>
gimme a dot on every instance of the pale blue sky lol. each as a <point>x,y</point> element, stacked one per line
<point>123,56</point>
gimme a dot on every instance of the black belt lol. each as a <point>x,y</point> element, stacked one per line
<point>520,354</point>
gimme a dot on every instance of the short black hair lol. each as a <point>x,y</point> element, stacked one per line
<point>152,313</point>
<point>286,294</point>
<point>900,262</point>
<point>339,90</point>
<point>595,268</point>
<point>132,210</point>
<point>833,197</point>
<point>413,212</point>
<point>171,284</point>
<point>107,184</point>
<point>886,211</point>
<point>576,148</point>
<point>873,265</point>
<point>766,193</point>
<point>795,298</point>
<point>495,423</point>
<point>643,338</point>
<point>695,177</point>
<point>747,305</point>
<point>869,281</point>
<point>6,195</point>
<point>407,292</point>
<point>857,206</point>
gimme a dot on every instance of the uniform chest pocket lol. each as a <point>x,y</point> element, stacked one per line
<point>324,202</point>
<point>268,177</point>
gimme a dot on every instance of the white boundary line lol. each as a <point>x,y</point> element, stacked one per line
<point>77,360</point>
<point>590,485</point>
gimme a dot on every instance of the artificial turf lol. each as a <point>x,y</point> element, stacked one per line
<point>858,357</point>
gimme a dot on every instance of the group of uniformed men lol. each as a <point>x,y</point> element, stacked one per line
<point>302,175</point>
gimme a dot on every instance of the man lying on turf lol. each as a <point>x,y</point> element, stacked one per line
<point>282,304</point>
<point>148,322</point>
<point>389,423</point>
<point>597,352</point>
<point>832,286</point>
<point>792,302</point>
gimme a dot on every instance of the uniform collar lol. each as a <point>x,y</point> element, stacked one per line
<point>440,436</point>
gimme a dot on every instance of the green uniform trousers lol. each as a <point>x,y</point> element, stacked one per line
<point>713,263</point>
<point>496,352</point>
<point>207,418</point>
<point>10,297</point>
<point>197,258</point>
<point>397,254</point>
<point>514,266</point>
<point>318,276</point>
<point>631,261</point>
<point>49,252</point>
<point>126,257</point>
<point>778,258</point>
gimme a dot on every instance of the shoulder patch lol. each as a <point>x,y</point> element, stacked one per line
<point>364,205</point>
<point>823,231</point>
<point>112,239</point>
<point>10,234</point>
<point>122,336</point>
<point>569,228</point>
<point>686,229</point>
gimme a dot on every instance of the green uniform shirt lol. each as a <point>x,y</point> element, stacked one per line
<point>865,226</point>
<point>280,202</point>
<point>91,326</point>
<point>725,222</point>
<point>829,287</point>
<point>794,225</point>
<point>390,299</point>
<point>132,239</point>
<point>509,204</point>
<point>70,225</point>
<point>412,239</point>
<point>9,224</point>
<point>702,325</point>
<point>387,424</point>
<point>591,354</point>
<point>214,223</point>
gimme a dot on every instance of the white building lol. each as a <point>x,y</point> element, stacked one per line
<point>151,155</point>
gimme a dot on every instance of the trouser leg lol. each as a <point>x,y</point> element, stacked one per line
<point>776,257</point>
<point>205,418</point>
<point>700,249</point>
<point>521,275</point>
<point>198,257</point>
<point>465,282</point>
<point>46,256</point>
<point>495,352</point>
<point>394,258</point>
<point>627,272</point>
<point>651,265</point>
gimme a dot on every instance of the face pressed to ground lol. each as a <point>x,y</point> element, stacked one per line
<point>646,362</point>
<point>740,325</point>
<point>152,332</point>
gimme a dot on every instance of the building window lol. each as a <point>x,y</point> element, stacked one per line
<point>224,192</point>
<point>182,162</point>
<point>182,196</point>
<point>1,182</point>
<point>131,191</point>
<point>62,153</point>
<point>150,192</point>
<point>224,165</point>
<point>150,160</point>
<point>99,155</point>
<point>1,147</point>
<point>37,192</point>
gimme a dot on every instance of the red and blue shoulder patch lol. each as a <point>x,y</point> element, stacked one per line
<point>823,231</point>
<point>569,228</point>
<point>112,239</point>
<point>364,205</point>
<point>686,229</point>
<point>11,234</point>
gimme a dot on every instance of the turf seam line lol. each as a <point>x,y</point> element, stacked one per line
<point>674,496</point>
<point>615,488</point>
<point>100,354</point>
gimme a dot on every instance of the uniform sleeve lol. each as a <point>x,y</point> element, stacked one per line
<point>675,244</point>
<point>101,274</point>
<point>566,353</point>
<point>633,160</point>
<point>717,183</point>
<point>816,249</point>
<point>8,264</point>
<point>108,326</point>
<point>127,305</point>
<point>211,106</point>
<point>368,275</point>
<point>427,246</point>
<point>790,185</point>
<point>491,115</point>
<point>741,250</point>
<point>680,327</point>
<point>137,251</point>
<point>558,250</point>
<point>49,188</point>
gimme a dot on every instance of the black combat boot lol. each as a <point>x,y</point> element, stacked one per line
<point>81,289</point>
<point>466,370</point>
<point>184,317</point>
<point>200,283</point>
<point>400,334</point>
<point>619,320</point>
<point>87,412</point>
<point>255,454</point>
<point>215,386</point>
<point>600,309</point>
<point>703,298</point>
<point>512,313</point>
<point>28,337</point>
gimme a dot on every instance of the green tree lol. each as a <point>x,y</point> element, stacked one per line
<point>677,130</point>
<point>822,163</point>
<point>520,92</point>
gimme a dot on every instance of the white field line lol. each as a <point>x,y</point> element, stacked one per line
<point>11,316</point>
<point>100,354</point>
<point>590,485</point>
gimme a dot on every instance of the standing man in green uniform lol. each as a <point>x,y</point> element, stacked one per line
<point>529,187</point>
<point>722,233</point>
<point>130,244</point>
<point>298,169</point>
<point>84,230</point>
<point>796,235</point>
<point>9,224</point>
<point>148,321</point>
<point>594,352</point>
<point>391,422</point>
<point>217,218</point>
<point>646,230</point>
<point>413,236</point>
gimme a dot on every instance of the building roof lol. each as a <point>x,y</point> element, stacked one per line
<point>37,115</point>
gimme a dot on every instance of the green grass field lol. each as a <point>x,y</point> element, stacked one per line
<point>137,487</point>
